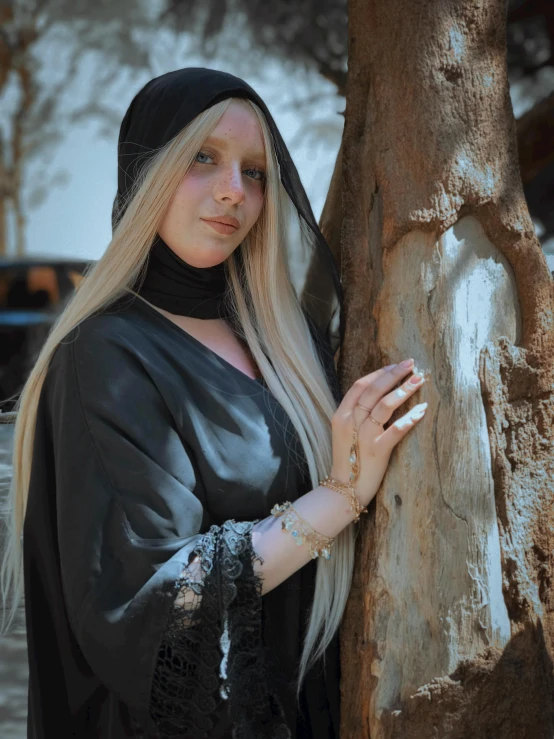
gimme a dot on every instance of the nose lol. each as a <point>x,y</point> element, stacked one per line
<point>229,186</point>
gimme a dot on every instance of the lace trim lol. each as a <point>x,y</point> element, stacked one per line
<point>213,643</point>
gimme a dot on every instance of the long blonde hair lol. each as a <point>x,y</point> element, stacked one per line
<point>272,323</point>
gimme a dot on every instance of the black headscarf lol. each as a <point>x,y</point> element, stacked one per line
<point>162,108</point>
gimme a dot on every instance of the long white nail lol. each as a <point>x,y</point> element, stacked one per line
<point>418,410</point>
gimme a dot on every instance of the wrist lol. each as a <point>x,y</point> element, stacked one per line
<point>348,492</point>
<point>341,475</point>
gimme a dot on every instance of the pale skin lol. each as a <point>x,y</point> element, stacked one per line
<point>226,179</point>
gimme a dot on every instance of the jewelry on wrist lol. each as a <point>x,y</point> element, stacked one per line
<point>346,491</point>
<point>318,544</point>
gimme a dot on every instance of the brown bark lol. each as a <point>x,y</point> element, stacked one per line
<point>448,632</point>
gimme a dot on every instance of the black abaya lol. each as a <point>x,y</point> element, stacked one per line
<point>145,441</point>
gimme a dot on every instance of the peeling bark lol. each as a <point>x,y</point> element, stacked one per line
<point>448,632</point>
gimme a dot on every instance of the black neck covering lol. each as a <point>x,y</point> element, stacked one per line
<point>159,111</point>
<point>178,287</point>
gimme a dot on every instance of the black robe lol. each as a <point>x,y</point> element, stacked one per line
<point>150,447</point>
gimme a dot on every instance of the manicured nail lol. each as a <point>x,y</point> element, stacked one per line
<point>406,362</point>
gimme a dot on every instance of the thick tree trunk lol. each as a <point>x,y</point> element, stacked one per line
<point>449,629</point>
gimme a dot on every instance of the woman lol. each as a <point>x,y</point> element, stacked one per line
<point>184,398</point>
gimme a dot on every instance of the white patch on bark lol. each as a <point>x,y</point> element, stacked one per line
<point>436,594</point>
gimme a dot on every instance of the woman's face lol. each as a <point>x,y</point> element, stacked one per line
<point>226,179</point>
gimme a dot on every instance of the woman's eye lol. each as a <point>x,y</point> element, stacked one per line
<point>258,174</point>
<point>202,154</point>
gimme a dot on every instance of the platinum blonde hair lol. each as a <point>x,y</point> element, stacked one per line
<point>270,318</point>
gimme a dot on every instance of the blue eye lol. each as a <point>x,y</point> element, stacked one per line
<point>259,175</point>
<point>202,154</point>
<point>259,172</point>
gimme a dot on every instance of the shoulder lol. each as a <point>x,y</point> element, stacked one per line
<point>104,363</point>
<point>107,345</point>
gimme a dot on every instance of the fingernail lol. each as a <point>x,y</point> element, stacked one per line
<point>419,409</point>
<point>406,362</point>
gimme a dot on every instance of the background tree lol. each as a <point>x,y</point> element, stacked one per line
<point>33,84</point>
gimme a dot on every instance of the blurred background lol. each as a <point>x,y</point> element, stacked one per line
<point>68,71</point>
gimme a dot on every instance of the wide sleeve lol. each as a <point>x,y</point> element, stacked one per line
<point>167,617</point>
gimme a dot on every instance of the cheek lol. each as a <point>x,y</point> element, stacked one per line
<point>256,203</point>
<point>191,188</point>
<point>184,202</point>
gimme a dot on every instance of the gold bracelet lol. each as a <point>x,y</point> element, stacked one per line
<point>318,544</point>
<point>348,492</point>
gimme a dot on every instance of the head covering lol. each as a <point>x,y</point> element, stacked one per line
<point>159,111</point>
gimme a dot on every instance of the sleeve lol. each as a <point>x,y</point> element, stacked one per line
<point>167,618</point>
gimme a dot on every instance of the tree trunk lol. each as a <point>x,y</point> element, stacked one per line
<point>449,629</point>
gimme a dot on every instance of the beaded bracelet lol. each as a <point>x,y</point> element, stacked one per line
<point>318,544</point>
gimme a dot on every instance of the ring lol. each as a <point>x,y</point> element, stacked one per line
<point>370,416</point>
<point>374,421</point>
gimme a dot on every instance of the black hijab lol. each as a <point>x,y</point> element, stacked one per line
<point>159,111</point>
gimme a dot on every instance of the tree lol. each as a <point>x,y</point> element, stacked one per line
<point>449,628</point>
<point>32,115</point>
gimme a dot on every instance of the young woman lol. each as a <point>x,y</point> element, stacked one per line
<point>185,398</point>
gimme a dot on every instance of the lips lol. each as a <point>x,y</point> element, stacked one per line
<point>222,228</point>
<point>227,220</point>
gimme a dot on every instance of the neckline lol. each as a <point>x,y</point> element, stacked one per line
<point>260,382</point>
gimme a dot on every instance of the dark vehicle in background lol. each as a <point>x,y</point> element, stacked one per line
<point>33,292</point>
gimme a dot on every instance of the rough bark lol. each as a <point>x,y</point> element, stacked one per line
<point>448,632</point>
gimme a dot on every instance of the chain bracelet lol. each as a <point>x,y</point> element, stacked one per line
<point>318,544</point>
<point>346,491</point>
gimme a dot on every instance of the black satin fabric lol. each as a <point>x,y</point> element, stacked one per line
<point>144,439</point>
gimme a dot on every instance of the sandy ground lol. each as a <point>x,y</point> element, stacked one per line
<point>13,648</point>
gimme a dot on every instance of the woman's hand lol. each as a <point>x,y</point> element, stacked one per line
<point>377,391</point>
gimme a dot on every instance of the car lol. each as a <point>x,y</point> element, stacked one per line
<point>33,292</point>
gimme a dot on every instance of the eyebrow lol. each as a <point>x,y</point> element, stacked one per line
<point>259,156</point>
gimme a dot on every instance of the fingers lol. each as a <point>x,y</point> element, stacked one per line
<point>398,430</point>
<point>369,389</point>
<point>384,409</point>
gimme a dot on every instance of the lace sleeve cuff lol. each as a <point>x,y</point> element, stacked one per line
<point>212,647</point>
